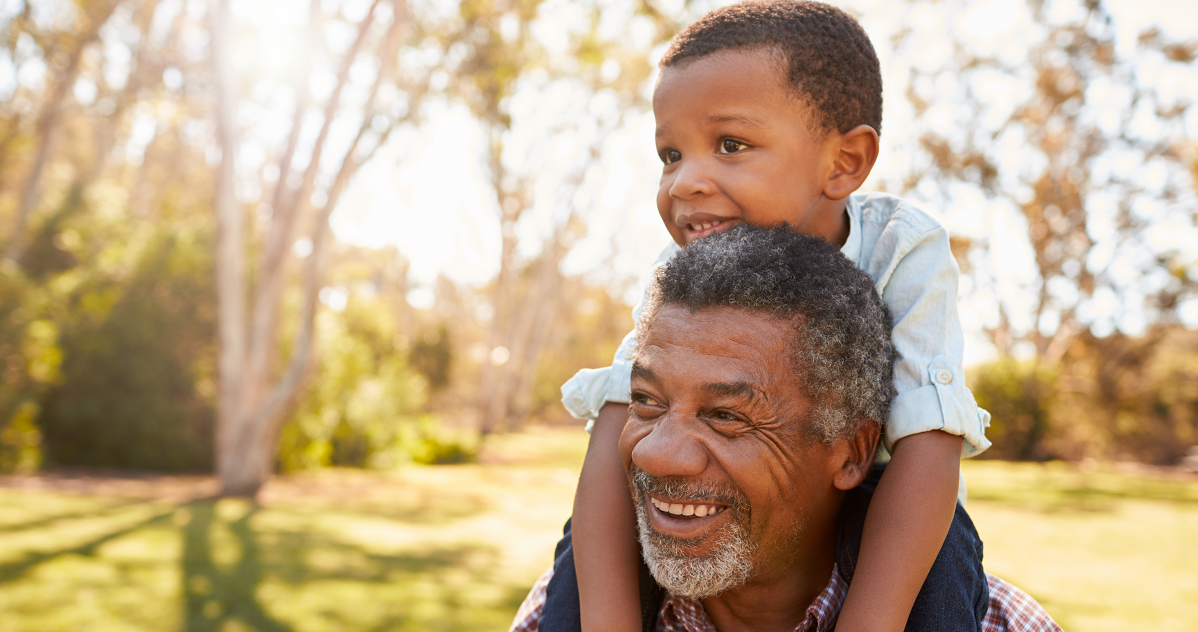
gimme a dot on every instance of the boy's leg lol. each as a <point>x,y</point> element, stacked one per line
<point>955,595</point>
<point>561,612</point>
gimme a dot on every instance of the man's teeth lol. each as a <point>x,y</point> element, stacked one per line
<point>705,225</point>
<point>679,509</point>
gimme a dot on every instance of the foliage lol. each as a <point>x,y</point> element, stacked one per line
<point>108,154</point>
<point>28,364</point>
<point>1019,396</point>
<point>1075,144</point>
<point>132,375</point>
<point>1114,398</point>
<point>432,355</point>
<point>366,408</point>
<point>591,326</point>
<point>1138,396</point>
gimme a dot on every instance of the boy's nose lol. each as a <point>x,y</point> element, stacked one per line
<point>690,180</point>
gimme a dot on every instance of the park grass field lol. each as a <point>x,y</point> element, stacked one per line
<point>456,547</point>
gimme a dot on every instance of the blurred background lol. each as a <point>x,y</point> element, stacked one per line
<point>288,289</point>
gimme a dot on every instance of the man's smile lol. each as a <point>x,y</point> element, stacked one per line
<point>686,523</point>
<point>683,508</point>
<point>687,511</point>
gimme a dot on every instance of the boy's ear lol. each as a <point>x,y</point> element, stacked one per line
<point>856,152</point>
<point>856,456</point>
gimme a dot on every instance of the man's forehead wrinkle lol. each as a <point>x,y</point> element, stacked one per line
<point>685,348</point>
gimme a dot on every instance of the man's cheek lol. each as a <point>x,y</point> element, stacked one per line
<point>633,432</point>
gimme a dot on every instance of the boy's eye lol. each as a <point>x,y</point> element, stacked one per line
<point>729,146</point>
<point>671,155</point>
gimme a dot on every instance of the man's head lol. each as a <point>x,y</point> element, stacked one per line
<point>763,373</point>
<point>766,112</point>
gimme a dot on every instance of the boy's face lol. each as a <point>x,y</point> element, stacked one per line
<point>738,146</point>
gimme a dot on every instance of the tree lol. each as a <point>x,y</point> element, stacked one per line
<point>71,44</point>
<point>600,73</point>
<point>1085,151</point>
<point>253,396</point>
<point>84,68</point>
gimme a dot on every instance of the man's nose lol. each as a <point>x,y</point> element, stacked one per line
<point>691,179</point>
<point>671,448</point>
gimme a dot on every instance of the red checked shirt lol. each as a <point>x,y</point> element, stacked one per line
<point>1011,610</point>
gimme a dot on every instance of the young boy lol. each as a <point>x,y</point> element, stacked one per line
<point>770,112</point>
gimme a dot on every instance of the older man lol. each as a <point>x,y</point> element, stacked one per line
<point>763,373</point>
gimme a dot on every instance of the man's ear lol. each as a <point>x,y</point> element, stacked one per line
<point>856,152</point>
<point>858,453</point>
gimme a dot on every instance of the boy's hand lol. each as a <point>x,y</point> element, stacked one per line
<point>606,553</point>
<point>908,519</point>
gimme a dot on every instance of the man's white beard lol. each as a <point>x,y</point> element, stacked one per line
<point>728,566</point>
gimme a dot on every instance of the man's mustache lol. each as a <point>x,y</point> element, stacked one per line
<point>681,488</point>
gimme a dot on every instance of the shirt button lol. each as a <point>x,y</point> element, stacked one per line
<point>944,376</point>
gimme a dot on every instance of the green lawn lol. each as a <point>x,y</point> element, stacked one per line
<point>456,547</point>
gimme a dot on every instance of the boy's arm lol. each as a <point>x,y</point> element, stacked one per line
<point>908,519</point>
<point>933,423</point>
<point>606,553</point>
<point>603,528</point>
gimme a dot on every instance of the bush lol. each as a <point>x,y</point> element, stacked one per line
<point>1113,398</point>
<point>362,410</point>
<point>1020,396</point>
<point>132,357</point>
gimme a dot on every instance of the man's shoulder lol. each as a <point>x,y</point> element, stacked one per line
<point>885,210</point>
<point>1012,610</point>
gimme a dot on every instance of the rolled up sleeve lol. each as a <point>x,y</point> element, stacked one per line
<point>921,291</point>
<point>585,393</point>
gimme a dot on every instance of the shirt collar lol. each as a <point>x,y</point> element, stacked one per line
<point>683,614</point>
<point>852,245</point>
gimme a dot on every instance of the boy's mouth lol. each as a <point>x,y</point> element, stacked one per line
<point>698,230</point>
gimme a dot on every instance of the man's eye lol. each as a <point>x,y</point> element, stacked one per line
<point>671,156</point>
<point>644,400</point>
<point>727,422</point>
<point>729,146</point>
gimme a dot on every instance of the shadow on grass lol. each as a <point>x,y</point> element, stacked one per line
<point>213,596</point>
<point>46,521</point>
<point>15,570</point>
<point>283,572</point>
<point>425,509</point>
<point>1060,491</point>
<point>331,583</point>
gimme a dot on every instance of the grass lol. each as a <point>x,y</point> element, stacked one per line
<point>1099,549</point>
<point>456,547</point>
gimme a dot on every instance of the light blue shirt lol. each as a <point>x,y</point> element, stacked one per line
<point>907,254</point>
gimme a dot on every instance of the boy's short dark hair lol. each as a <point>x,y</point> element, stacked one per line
<point>831,63</point>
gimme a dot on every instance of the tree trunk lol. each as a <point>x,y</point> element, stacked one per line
<point>47,131</point>
<point>230,272</point>
<point>253,403</point>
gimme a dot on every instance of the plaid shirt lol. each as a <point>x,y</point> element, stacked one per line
<point>1011,610</point>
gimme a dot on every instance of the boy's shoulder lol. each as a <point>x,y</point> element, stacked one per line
<point>880,210</point>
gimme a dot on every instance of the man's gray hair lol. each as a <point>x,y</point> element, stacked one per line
<point>843,357</point>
